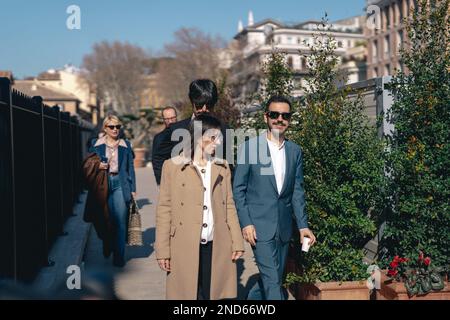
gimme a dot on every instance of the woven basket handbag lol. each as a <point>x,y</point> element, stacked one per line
<point>134,225</point>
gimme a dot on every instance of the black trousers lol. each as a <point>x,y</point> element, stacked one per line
<point>204,271</point>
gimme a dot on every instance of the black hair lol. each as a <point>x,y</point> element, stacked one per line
<point>207,123</point>
<point>203,92</point>
<point>279,98</point>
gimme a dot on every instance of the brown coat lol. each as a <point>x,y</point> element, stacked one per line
<point>178,229</point>
<point>96,211</point>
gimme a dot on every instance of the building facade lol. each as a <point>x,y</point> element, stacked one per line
<point>66,101</point>
<point>384,43</point>
<point>253,45</point>
<point>69,79</point>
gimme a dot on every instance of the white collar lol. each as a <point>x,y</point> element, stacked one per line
<point>274,144</point>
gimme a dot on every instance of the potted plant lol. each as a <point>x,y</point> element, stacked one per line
<point>405,280</point>
<point>137,130</point>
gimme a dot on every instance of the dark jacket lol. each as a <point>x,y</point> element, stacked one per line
<point>126,166</point>
<point>163,150</point>
<point>96,210</point>
<point>158,156</point>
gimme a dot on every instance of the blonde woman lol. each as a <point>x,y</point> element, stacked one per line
<point>198,237</point>
<point>117,159</point>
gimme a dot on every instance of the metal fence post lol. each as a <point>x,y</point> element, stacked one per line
<point>6,100</point>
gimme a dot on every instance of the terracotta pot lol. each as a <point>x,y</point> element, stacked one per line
<point>397,291</point>
<point>139,159</point>
<point>347,290</point>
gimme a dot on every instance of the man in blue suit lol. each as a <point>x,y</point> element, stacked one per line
<point>268,191</point>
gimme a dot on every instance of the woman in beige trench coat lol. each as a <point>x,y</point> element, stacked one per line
<point>198,237</point>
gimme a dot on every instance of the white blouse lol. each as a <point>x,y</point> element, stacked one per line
<point>208,220</point>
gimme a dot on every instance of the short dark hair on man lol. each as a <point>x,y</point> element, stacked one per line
<point>279,98</point>
<point>168,108</point>
<point>203,92</point>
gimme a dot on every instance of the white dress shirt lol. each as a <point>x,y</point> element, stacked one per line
<point>278,157</point>
<point>208,219</point>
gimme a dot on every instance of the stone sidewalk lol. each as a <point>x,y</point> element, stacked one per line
<point>141,278</point>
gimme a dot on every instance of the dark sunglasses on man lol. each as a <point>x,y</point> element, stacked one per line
<point>275,115</point>
<point>115,127</point>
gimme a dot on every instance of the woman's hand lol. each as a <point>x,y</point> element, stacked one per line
<point>164,264</point>
<point>133,194</point>
<point>236,255</point>
<point>103,166</point>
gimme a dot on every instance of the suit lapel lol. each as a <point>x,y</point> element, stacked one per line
<point>288,167</point>
<point>268,167</point>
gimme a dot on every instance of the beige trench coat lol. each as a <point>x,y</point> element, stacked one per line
<point>179,220</point>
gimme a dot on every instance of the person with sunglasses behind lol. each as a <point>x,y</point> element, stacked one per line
<point>268,191</point>
<point>117,160</point>
<point>203,97</point>
<point>198,237</point>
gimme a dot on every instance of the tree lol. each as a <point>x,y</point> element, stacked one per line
<point>194,55</point>
<point>419,158</point>
<point>117,71</point>
<point>343,171</point>
<point>277,80</point>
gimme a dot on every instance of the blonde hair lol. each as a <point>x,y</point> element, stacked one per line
<point>110,118</point>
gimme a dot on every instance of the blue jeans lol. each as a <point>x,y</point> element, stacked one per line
<point>118,211</point>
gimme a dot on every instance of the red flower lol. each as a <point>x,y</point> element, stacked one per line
<point>393,264</point>
<point>392,273</point>
<point>427,261</point>
<point>420,256</point>
<point>402,260</point>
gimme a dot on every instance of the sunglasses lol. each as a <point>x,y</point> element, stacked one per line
<point>275,115</point>
<point>114,127</point>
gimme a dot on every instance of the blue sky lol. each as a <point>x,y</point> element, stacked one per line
<point>34,36</point>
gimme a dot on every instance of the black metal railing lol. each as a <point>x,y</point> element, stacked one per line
<point>41,150</point>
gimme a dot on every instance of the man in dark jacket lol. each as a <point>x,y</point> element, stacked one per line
<point>203,96</point>
<point>169,115</point>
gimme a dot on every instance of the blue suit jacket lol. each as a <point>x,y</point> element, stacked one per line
<point>255,192</point>
<point>126,166</point>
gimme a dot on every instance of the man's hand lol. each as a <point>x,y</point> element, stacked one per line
<point>133,194</point>
<point>236,255</point>
<point>249,234</point>
<point>307,233</point>
<point>164,264</point>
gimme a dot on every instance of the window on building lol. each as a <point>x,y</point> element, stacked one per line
<point>375,72</point>
<point>400,38</point>
<point>303,63</point>
<point>387,69</point>
<point>401,66</point>
<point>349,43</point>
<point>387,49</point>
<point>290,62</point>
<point>339,44</point>
<point>374,50</point>
<point>289,40</point>
<point>299,40</point>
<point>388,18</point>
<point>400,12</point>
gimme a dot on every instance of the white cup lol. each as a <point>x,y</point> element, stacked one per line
<point>305,244</point>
